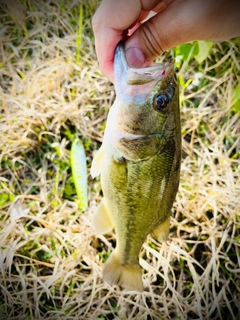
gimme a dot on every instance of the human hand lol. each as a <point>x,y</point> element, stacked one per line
<point>176,22</point>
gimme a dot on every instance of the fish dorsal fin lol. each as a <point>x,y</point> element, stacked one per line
<point>97,163</point>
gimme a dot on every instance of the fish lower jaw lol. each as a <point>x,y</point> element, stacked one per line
<point>128,136</point>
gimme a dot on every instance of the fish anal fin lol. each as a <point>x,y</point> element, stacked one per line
<point>161,232</point>
<point>101,221</point>
<point>128,277</point>
<point>97,163</point>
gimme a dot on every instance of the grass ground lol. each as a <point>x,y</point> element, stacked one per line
<point>50,260</point>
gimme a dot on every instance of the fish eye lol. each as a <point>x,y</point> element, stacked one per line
<point>161,101</point>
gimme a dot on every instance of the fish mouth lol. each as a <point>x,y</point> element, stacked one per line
<point>138,76</point>
<point>159,71</point>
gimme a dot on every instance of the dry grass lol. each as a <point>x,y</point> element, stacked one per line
<point>50,259</point>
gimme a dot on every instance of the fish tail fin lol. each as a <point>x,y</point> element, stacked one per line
<point>125,276</point>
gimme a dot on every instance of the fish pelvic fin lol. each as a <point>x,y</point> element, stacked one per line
<point>101,222</point>
<point>161,231</point>
<point>97,163</point>
<point>128,277</point>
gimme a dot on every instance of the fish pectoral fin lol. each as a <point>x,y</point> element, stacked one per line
<point>128,277</point>
<point>161,232</point>
<point>101,221</point>
<point>97,163</point>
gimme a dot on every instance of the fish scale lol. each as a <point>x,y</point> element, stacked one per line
<point>139,164</point>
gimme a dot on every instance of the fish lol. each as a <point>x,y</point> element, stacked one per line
<point>139,163</point>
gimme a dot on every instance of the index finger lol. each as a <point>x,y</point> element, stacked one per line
<point>110,25</point>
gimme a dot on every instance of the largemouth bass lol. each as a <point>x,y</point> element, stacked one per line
<point>139,163</point>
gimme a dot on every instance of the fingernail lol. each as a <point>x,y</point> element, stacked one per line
<point>135,57</point>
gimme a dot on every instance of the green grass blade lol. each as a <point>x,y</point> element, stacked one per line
<point>79,34</point>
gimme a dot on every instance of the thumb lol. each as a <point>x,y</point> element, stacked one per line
<point>153,37</point>
<point>182,21</point>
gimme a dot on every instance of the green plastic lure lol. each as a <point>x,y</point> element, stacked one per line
<point>79,172</point>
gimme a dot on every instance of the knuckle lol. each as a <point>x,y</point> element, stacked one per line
<point>151,39</point>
